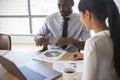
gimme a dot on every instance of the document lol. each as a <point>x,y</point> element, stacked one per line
<point>50,55</point>
<point>60,65</point>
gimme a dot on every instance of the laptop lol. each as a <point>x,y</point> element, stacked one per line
<point>32,70</point>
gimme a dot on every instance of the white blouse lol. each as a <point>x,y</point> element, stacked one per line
<point>98,58</point>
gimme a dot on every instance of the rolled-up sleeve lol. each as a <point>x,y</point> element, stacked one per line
<point>44,30</point>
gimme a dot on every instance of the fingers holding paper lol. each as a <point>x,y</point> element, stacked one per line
<point>77,56</point>
<point>63,41</point>
<point>42,42</point>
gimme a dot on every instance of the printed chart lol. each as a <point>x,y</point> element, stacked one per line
<point>52,54</point>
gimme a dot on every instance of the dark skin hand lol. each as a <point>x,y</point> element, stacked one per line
<point>74,42</point>
<point>44,42</point>
<point>77,56</point>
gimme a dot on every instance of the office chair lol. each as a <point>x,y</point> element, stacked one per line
<point>5,42</point>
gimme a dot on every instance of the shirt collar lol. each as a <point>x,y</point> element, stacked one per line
<point>106,32</point>
<point>70,15</point>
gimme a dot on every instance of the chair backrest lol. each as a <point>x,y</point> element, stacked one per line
<point>5,42</point>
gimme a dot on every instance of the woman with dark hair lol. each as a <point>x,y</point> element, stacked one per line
<point>102,51</point>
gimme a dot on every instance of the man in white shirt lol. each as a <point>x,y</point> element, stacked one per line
<point>51,31</point>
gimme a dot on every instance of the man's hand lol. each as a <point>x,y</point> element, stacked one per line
<point>74,42</point>
<point>44,42</point>
<point>64,41</point>
<point>77,56</point>
<point>40,41</point>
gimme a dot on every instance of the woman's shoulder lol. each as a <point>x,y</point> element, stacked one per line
<point>103,35</point>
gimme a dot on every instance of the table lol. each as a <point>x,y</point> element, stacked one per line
<point>3,52</point>
<point>21,57</point>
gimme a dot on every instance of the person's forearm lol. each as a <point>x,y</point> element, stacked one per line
<point>79,44</point>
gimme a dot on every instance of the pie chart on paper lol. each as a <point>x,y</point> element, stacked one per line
<point>52,54</point>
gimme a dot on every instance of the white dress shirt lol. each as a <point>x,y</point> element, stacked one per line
<point>53,25</point>
<point>98,58</point>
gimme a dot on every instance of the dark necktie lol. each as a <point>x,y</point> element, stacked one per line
<point>65,26</point>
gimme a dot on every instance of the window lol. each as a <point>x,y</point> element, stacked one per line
<point>14,18</point>
<point>25,17</point>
